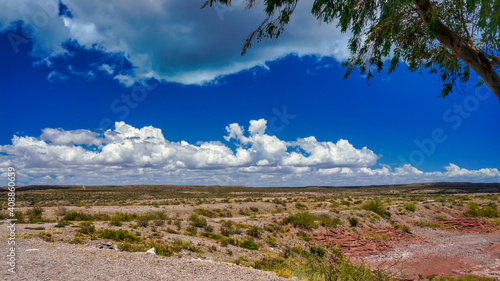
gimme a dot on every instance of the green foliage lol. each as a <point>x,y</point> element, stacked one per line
<point>81,216</point>
<point>403,228</point>
<point>206,213</point>
<point>412,207</point>
<point>248,243</point>
<point>119,235</point>
<point>486,211</point>
<point>332,265</point>
<point>353,221</point>
<point>62,223</point>
<point>86,228</point>
<point>35,228</point>
<point>271,241</point>
<point>432,225</point>
<point>255,232</point>
<point>46,236</point>
<point>192,230</point>
<point>377,207</point>
<point>327,221</point>
<point>35,215</point>
<point>197,221</point>
<point>400,30</point>
<point>304,220</point>
<point>301,206</point>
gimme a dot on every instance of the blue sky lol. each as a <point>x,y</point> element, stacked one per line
<point>191,110</point>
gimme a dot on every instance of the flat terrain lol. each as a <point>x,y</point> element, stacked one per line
<point>241,233</point>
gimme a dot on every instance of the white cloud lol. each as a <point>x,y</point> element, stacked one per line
<point>172,40</point>
<point>106,68</point>
<point>128,155</point>
<point>55,76</point>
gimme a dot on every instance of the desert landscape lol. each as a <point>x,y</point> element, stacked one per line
<point>439,231</point>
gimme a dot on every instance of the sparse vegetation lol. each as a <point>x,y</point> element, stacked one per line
<point>377,207</point>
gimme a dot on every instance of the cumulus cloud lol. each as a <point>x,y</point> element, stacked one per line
<point>171,40</point>
<point>129,155</point>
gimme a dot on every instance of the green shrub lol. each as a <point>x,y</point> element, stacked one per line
<point>86,228</point>
<point>403,227</point>
<point>304,220</point>
<point>213,235</point>
<point>81,216</point>
<point>206,213</point>
<point>271,240</point>
<point>192,230</point>
<point>115,222</point>
<point>169,230</point>
<point>304,236</point>
<point>132,247</point>
<point>62,223</point>
<point>300,206</point>
<point>35,228</point>
<point>255,232</point>
<point>118,235</point>
<point>327,221</point>
<point>143,222</point>
<point>197,221</point>
<point>254,209</point>
<point>353,221</point>
<point>248,243</point>
<point>377,207</point>
<point>412,207</point>
<point>46,236</point>
<point>487,211</point>
<point>35,215</point>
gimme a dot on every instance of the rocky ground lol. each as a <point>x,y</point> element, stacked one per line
<point>39,260</point>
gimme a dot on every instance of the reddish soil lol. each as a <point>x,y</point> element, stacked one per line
<point>365,242</point>
<point>466,246</point>
<point>466,224</point>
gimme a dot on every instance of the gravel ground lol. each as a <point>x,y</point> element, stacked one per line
<point>39,260</point>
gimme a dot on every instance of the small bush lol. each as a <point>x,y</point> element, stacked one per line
<point>35,215</point>
<point>304,236</point>
<point>86,228</point>
<point>192,230</point>
<point>255,232</point>
<point>412,207</point>
<point>62,223</point>
<point>46,236</point>
<point>206,213</point>
<point>248,243</point>
<point>487,211</point>
<point>403,227</point>
<point>197,221</point>
<point>377,207</point>
<point>143,222</point>
<point>301,206</point>
<point>119,235</point>
<point>353,221</point>
<point>169,230</point>
<point>254,209</point>
<point>327,221</point>
<point>304,220</point>
<point>271,240</point>
<point>35,228</point>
